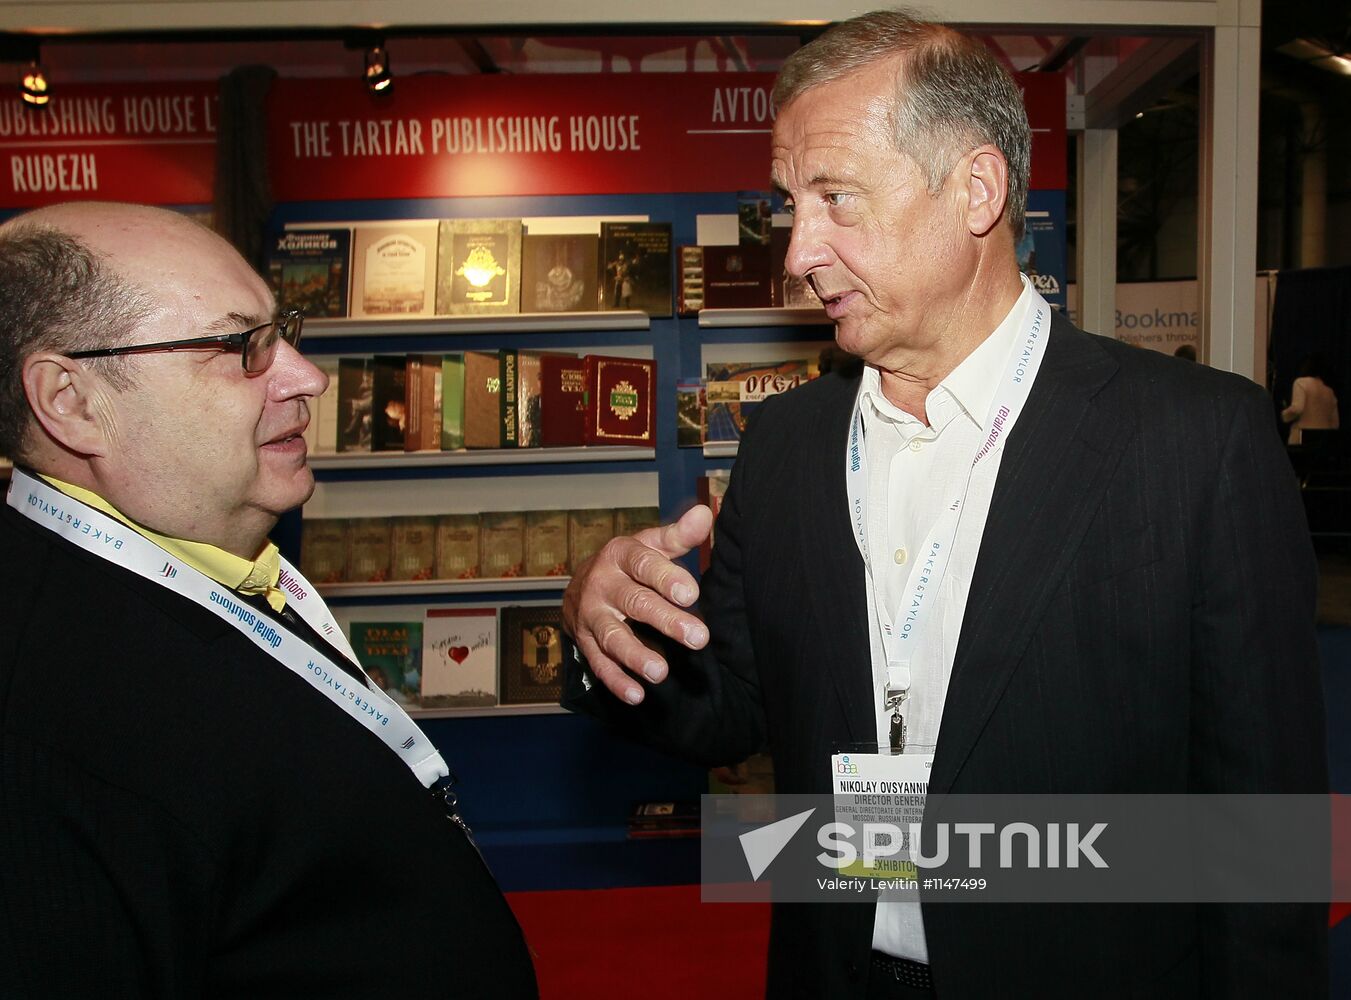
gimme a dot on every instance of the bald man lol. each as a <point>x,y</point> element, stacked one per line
<point>201,794</point>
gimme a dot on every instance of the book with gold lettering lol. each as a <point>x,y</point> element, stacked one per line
<point>482,391</point>
<point>620,401</point>
<point>479,267</point>
<point>413,548</point>
<point>635,266</point>
<point>588,531</point>
<point>502,544</point>
<point>562,396</point>
<point>323,549</point>
<point>457,547</point>
<point>546,543</point>
<point>368,554</point>
<point>532,655</point>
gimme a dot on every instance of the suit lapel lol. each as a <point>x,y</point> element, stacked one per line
<point>836,594</point>
<point>1056,465</point>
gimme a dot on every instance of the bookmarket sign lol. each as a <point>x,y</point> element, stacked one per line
<point>639,133</point>
<point>152,143</point>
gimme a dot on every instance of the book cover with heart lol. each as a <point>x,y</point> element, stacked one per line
<point>459,658</point>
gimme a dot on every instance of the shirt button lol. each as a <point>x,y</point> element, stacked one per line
<point>916,444</point>
<point>899,556</point>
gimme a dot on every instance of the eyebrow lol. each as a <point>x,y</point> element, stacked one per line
<point>235,322</point>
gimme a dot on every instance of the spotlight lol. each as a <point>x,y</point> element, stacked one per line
<point>377,74</point>
<point>33,85</point>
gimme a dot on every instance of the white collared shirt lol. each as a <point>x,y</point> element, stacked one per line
<point>914,470</point>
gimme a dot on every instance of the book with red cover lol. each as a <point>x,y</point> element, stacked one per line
<point>737,277</point>
<point>620,404</point>
<point>562,393</point>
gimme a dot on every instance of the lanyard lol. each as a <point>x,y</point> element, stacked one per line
<point>900,635</point>
<point>109,539</point>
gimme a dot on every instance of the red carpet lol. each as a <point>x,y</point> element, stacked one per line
<point>658,943</point>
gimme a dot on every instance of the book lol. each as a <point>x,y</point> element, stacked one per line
<point>631,520</point>
<point>635,264</point>
<point>690,294</point>
<point>502,544</point>
<point>528,403</point>
<point>459,658</point>
<point>308,270</point>
<point>737,277</point>
<point>711,489</point>
<point>546,543</point>
<point>733,388</point>
<point>508,430</point>
<point>457,547</point>
<point>562,389</point>
<point>413,548</point>
<point>452,402</point>
<point>323,549</point>
<point>620,401</point>
<point>690,413</point>
<point>559,273</point>
<point>649,820</point>
<point>482,389</point>
<point>393,269</point>
<point>389,402</point>
<point>532,655</point>
<point>391,655</point>
<point>356,380</point>
<point>424,403</point>
<point>754,217</point>
<point>324,411</point>
<point>588,531</point>
<point>368,553</point>
<point>787,292</point>
<point>479,266</point>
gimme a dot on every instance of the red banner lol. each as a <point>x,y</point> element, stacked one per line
<point>151,143</point>
<point>462,136</point>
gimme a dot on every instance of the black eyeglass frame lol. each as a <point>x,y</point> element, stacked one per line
<point>288,323</point>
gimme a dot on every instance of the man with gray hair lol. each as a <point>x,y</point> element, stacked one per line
<point>990,556</point>
<point>201,793</point>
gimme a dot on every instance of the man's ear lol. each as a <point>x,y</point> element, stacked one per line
<point>63,397</point>
<point>987,179</point>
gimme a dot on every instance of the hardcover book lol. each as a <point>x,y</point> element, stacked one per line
<point>394,270</point>
<point>391,655</point>
<point>308,270</point>
<point>528,408</point>
<point>389,402</point>
<point>562,388</point>
<point>324,411</point>
<point>754,216</point>
<point>734,388</point>
<point>710,490</point>
<point>532,655</point>
<point>457,547</point>
<point>737,277</point>
<point>459,658</point>
<point>546,543</point>
<point>588,531</point>
<point>508,429</point>
<point>636,266</point>
<point>482,392</point>
<point>452,402</point>
<point>323,549</point>
<point>631,520</point>
<point>424,403</point>
<point>559,273</point>
<point>368,553</point>
<point>691,291</point>
<point>479,266</point>
<point>620,401</point>
<point>413,548</point>
<point>690,413</point>
<point>502,544</point>
<point>356,380</point>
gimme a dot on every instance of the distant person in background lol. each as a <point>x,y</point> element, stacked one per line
<point>1186,352</point>
<point>1313,404</point>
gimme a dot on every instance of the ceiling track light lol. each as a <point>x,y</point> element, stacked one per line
<point>33,86</point>
<point>377,75</point>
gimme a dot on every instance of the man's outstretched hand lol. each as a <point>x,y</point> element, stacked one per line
<point>634,578</point>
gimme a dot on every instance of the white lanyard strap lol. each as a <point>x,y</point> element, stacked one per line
<point>109,539</point>
<point>900,634</point>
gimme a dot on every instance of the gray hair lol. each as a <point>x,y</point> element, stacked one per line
<point>56,294</point>
<point>952,94</point>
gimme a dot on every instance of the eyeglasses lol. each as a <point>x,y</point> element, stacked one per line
<point>257,347</point>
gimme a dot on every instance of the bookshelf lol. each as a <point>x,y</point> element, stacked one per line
<point>746,318</point>
<point>448,588</point>
<point>569,322</point>
<point>488,456</point>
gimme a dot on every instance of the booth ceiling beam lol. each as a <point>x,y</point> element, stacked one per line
<point>1138,82</point>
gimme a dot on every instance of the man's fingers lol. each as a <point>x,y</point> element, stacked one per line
<point>613,653</point>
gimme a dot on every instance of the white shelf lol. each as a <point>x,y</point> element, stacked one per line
<point>721,449</point>
<point>725,318</point>
<point>431,588</point>
<point>618,319</point>
<point>485,456</point>
<point>486,711</point>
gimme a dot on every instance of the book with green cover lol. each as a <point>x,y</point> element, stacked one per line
<point>452,402</point>
<point>391,655</point>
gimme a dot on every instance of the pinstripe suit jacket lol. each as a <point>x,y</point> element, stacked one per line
<point>1140,620</point>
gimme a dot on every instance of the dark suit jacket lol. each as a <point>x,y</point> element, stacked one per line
<point>182,816</point>
<point>1140,619</point>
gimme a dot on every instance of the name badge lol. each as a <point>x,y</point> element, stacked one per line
<point>879,806</point>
